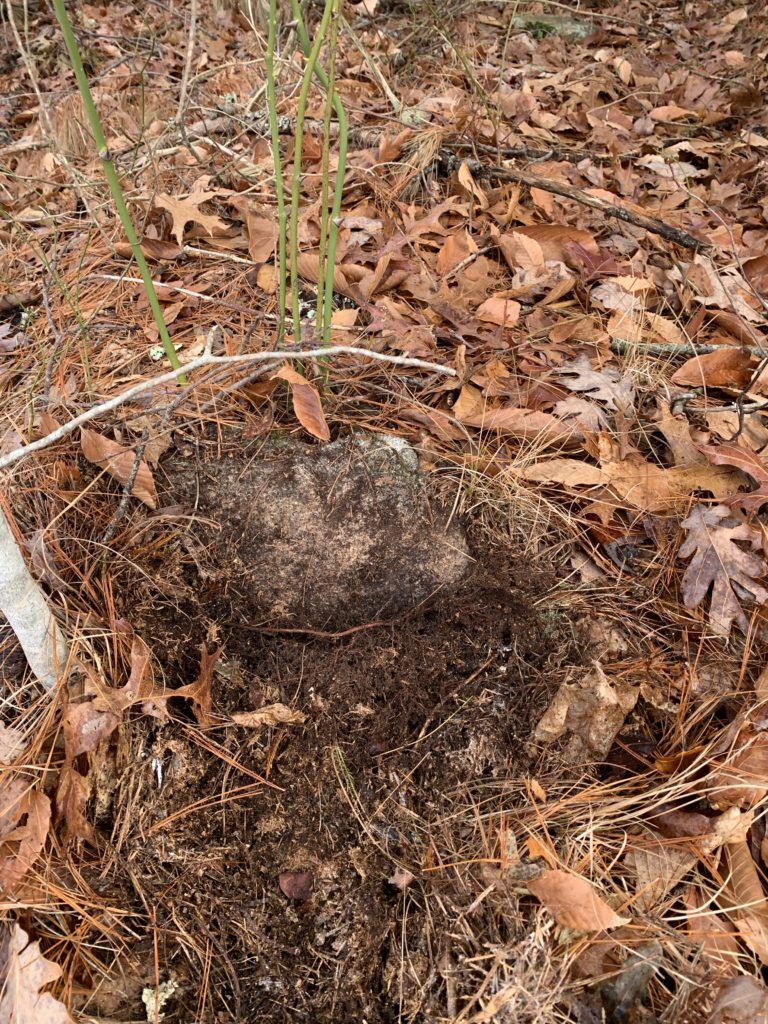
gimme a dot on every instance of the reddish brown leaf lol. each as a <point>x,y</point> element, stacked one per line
<point>748,462</point>
<point>118,462</point>
<point>306,403</point>
<point>297,885</point>
<point>727,366</point>
<point>199,692</point>
<point>503,312</point>
<point>527,423</point>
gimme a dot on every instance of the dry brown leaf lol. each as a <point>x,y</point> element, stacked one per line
<point>185,211</point>
<point>306,403</point>
<point>24,972</point>
<point>199,692</point>
<point>574,902</point>
<point>742,1000</point>
<point>456,248</point>
<point>118,462</point>
<point>21,844</point>
<point>607,385</point>
<point>297,885</point>
<point>502,312</point>
<point>469,403</point>
<point>658,865</point>
<point>522,252</point>
<point>526,423</point>
<point>262,236</point>
<point>727,366</point>
<point>741,780</point>
<point>590,713</point>
<point>13,743</point>
<point>748,462</point>
<point>712,932</point>
<point>272,714</point>
<point>743,897</point>
<point>718,563</point>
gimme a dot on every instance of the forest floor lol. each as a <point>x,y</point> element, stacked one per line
<point>538,796</point>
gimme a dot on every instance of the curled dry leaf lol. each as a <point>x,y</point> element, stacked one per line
<point>24,972</point>
<point>748,462</point>
<point>574,902</point>
<point>199,692</point>
<point>272,714</point>
<point>719,563</point>
<point>118,462</point>
<point>306,403</point>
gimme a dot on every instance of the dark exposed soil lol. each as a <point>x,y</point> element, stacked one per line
<point>402,721</point>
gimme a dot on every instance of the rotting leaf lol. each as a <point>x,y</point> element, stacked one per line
<point>272,714</point>
<point>742,1000</point>
<point>718,563</point>
<point>590,713</point>
<point>24,972</point>
<point>118,462</point>
<point>297,885</point>
<point>306,403</point>
<point>574,902</point>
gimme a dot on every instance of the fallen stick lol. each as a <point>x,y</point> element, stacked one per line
<point>559,188</point>
<point>208,359</point>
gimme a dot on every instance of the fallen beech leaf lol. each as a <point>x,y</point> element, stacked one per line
<point>184,211</point>
<point>527,423</point>
<point>719,563</point>
<point>557,242</point>
<point>727,366</point>
<point>24,971</point>
<point>306,403</point>
<point>522,252</point>
<point>272,714</point>
<point>574,903</point>
<point>456,248</point>
<point>118,462</point>
<point>296,885</point>
<point>502,312</point>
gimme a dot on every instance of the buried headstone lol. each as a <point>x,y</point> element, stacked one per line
<point>321,537</point>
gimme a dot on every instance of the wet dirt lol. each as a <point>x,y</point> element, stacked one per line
<point>303,872</point>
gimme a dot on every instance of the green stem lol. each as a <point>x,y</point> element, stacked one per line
<point>110,173</point>
<point>282,283</point>
<point>306,82</point>
<point>338,192</point>
<point>324,328</point>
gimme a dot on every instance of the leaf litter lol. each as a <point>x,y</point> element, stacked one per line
<point>574,221</point>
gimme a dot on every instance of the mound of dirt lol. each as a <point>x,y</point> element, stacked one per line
<point>328,537</point>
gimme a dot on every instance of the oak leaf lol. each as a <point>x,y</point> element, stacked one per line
<point>24,971</point>
<point>719,564</point>
<point>185,211</point>
<point>21,843</point>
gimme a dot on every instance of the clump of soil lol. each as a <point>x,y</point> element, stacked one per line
<point>328,536</point>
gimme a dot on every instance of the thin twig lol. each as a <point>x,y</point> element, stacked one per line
<point>187,62</point>
<point>559,188</point>
<point>670,348</point>
<point>208,359</point>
